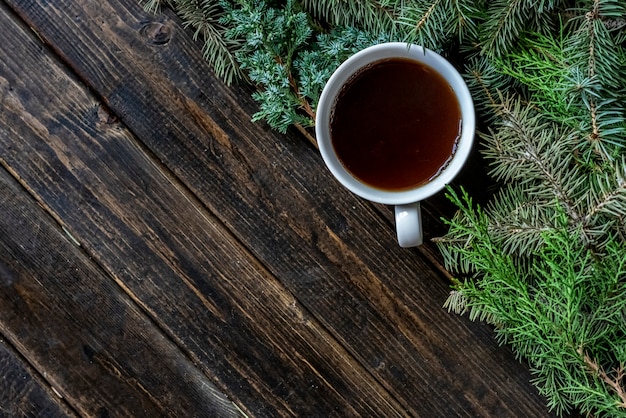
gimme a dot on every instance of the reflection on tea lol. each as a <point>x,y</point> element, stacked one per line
<point>395,124</point>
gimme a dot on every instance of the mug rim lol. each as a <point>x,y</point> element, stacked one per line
<point>355,63</point>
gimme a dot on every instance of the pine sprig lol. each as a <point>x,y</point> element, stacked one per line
<point>205,17</point>
<point>599,64</point>
<point>368,15</point>
<point>564,312</point>
<point>435,23</point>
<point>506,21</point>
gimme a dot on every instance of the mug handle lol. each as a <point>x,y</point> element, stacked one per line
<point>409,224</point>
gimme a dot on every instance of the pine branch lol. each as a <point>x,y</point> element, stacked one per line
<point>597,80</point>
<point>566,299</point>
<point>528,148</point>
<point>614,383</point>
<point>609,195</point>
<point>434,23</point>
<point>507,20</point>
<point>369,15</point>
<point>488,84</point>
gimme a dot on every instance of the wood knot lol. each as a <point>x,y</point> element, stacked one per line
<point>157,33</point>
<point>104,118</point>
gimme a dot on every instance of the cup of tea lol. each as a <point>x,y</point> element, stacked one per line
<point>395,124</point>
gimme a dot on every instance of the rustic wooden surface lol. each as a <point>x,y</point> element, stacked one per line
<point>162,255</point>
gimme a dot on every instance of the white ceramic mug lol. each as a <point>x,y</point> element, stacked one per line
<point>407,202</point>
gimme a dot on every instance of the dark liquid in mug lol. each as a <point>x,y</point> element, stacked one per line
<point>395,124</point>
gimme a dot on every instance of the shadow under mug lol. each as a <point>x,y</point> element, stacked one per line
<point>406,202</point>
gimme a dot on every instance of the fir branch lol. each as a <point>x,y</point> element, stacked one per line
<point>369,15</point>
<point>423,32</point>
<point>434,23</point>
<point>507,20</point>
<point>528,148</point>
<point>518,220</point>
<point>543,310</point>
<point>594,136</point>
<point>205,16</point>
<point>574,83</point>
<point>608,196</point>
<point>614,383</point>
<point>540,63</point>
<point>488,84</point>
<point>598,64</point>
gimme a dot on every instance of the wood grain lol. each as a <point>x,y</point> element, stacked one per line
<point>81,332</point>
<point>289,292</point>
<point>23,393</point>
<point>171,257</point>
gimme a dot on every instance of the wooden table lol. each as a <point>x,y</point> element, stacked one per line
<point>162,255</point>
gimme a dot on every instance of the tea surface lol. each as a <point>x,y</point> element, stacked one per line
<point>395,124</point>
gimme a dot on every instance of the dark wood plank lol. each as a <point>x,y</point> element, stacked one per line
<point>160,246</point>
<point>333,251</point>
<point>22,391</point>
<point>80,331</point>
